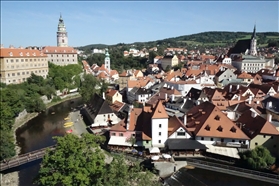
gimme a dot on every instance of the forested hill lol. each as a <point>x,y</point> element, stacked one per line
<point>213,38</point>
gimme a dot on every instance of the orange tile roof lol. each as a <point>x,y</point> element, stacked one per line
<point>174,124</point>
<point>120,126</point>
<point>17,52</point>
<point>111,92</point>
<point>209,121</point>
<point>160,111</point>
<point>134,114</point>
<point>59,50</point>
<point>102,75</point>
<point>245,75</point>
<point>116,106</point>
<point>137,83</point>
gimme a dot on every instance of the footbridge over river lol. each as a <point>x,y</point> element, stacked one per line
<point>24,158</point>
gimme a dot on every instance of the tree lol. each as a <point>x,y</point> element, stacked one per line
<point>257,158</point>
<point>168,68</point>
<point>75,161</point>
<point>122,172</point>
<point>80,161</point>
<point>88,87</point>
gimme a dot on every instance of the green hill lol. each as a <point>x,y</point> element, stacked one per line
<point>205,39</point>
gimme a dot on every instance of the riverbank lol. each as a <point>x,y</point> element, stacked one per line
<point>12,179</point>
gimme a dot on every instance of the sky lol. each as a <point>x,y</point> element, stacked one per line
<point>34,23</point>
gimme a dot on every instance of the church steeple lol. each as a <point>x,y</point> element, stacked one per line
<point>62,36</point>
<point>254,32</point>
<point>253,45</point>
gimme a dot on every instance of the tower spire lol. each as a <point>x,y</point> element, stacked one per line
<point>254,32</point>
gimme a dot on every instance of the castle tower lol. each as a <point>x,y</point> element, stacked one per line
<point>107,61</point>
<point>253,46</point>
<point>62,36</point>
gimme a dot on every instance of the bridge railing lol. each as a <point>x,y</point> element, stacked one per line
<point>233,168</point>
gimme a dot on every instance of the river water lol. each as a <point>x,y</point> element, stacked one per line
<point>38,133</point>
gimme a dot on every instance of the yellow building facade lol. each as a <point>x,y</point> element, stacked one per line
<point>17,64</point>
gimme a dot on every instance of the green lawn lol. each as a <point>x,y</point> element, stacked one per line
<point>272,37</point>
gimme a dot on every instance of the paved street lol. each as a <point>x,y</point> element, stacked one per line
<point>79,126</point>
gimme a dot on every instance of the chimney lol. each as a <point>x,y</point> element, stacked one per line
<point>185,119</point>
<point>239,96</point>
<point>104,97</point>
<point>2,46</point>
<point>11,46</point>
<point>194,77</point>
<point>230,90</point>
<point>172,98</point>
<point>166,97</point>
<point>172,87</point>
<point>269,117</point>
<point>269,104</point>
<point>253,114</point>
<point>250,99</point>
<point>237,87</point>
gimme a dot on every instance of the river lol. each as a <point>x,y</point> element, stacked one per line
<point>38,132</point>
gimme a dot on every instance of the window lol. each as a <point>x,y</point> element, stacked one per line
<point>13,74</point>
<point>217,118</point>
<point>233,140</point>
<point>256,143</point>
<point>7,61</point>
<point>30,59</point>
<point>159,141</point>
<point>160,125</point>
<point>264,136</point>
<point>12,60</point>
<point>147,142</point>
<point>222,139</point>
<point>16,60</point>
<point>202,138</point>
<point>104,115</point>
<point>26,60</point>
<point>113,134</point>
<point>180,133</point>
<point>22,60</point>
<point>159,133</point>
<point>121,134</point>
<point>211,139</point>
<point>207,128</point>
<point>220,128</point>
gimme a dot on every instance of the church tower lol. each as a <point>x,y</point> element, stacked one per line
<point>253,46</point>
<point>62,36</point>
<point>107,61</point>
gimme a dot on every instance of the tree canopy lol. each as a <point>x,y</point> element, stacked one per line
<point>257,158</point>
<point>80,161</point>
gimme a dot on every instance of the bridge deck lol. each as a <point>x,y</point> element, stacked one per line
<point>24,158</point>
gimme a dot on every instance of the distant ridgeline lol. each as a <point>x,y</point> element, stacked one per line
<point>213,38</point>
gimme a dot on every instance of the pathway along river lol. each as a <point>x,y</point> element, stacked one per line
<point>38,133</point>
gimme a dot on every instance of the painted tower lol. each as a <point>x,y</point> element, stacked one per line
<point>159,126</point>
<point>107,60</point>
<point>253,46</point>
<point>62,36</point>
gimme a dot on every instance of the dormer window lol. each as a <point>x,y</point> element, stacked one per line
<point>233,129</point>
<point>11,54</point>
<point>27,54</point>
<point>197,122</point>
<point>207,128</point>
<point>34,54</point>
<point>46,50</point>
<point>64,51</point>
<point>217,118</point>
<point>55,51</point>
<point>21,54</point>
<point>220,128</point>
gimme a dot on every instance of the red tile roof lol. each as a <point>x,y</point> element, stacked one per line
<point>209,121</point>
<point>18,53</point>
